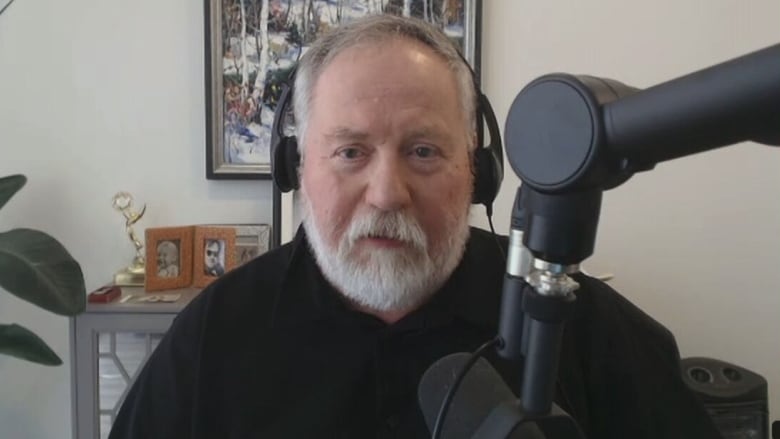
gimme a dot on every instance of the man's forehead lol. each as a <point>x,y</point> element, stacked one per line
<point>380,46</point>
<point>364,54</point>
<point>392,77</point>
<point>351,133</point>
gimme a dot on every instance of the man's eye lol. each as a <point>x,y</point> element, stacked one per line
<point>424,152</point>
<point>350,153</point>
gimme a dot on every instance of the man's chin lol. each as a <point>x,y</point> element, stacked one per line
<point>388,257</point>
<point>387,300</point>
<point>381,243</point>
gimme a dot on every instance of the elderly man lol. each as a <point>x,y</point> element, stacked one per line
<point>329,335</point>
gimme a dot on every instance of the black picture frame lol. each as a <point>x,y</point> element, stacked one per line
<point>238,113</point>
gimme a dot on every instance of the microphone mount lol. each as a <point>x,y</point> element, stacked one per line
<point>552,280</point>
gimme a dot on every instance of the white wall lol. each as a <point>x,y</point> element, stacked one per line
<point>101,96</point>
<point>696,242</point>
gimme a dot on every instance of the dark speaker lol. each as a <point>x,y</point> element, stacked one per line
<point>735,397</point>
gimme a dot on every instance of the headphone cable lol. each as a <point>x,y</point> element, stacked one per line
<point>489,211</point>
<point>438,426</point>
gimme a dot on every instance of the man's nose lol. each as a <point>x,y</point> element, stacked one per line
<point>388,185</point>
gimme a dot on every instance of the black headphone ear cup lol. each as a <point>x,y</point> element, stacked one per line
<point>292,161</point>
<point>485,177</point>
<point>488,159</point>
<point>278,168</point>
<point>284,163</point>
<point>284,149</point>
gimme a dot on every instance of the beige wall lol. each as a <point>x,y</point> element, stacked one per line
<point>101,96</point>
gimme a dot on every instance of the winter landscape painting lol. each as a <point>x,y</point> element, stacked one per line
<point>251,45</point>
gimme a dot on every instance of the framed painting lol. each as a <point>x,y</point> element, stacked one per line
<point>251,46</point>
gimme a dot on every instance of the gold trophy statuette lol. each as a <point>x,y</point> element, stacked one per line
<point>134,274</point>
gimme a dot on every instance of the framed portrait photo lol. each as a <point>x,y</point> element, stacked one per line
<point>214,251</point>
<point>168,258</point>
<point>252,240</point>
<point>251,46</point>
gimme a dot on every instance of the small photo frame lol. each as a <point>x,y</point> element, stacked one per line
<point>252,240</point>
<point>214,251</point>
<point>168,258</point>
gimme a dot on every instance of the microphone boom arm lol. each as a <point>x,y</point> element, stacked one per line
<point>566,133</point>
<point>569,138</point>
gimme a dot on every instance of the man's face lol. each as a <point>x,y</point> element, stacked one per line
<point>386,173</point>
<point>212,254</point>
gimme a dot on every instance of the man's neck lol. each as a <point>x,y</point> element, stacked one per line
<point>388,317</point>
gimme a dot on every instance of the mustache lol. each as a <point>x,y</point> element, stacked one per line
<point>391,225</point>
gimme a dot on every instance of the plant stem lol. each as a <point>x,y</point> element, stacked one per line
<point>6,6</point>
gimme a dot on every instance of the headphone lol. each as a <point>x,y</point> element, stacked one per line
<point>488,159</point>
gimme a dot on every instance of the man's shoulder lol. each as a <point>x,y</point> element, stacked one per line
<point>486,236</point>
<point>600,308</point>
<point>606,321</point>
<point>486,251</point>
<point>487,243</point>
<point>245,295</point>
<point>598,302</point>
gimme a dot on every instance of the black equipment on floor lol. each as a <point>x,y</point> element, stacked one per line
<point>735,397</point>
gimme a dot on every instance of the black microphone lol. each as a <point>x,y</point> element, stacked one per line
<point>483,405</point>
<point>723,104</point>
<point>567,133</point>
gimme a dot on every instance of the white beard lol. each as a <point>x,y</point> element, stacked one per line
<point>387,279</point>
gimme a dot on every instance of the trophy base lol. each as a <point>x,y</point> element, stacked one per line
<point>129,279</point>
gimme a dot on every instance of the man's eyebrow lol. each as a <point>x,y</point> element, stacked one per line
<point>347,133</point>
<point>425,131</point>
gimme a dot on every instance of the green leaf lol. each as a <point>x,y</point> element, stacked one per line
<point>22,343</point>
<point>9,186</point>
<point>37,268</point>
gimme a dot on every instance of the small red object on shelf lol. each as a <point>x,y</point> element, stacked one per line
<point>104,294</point>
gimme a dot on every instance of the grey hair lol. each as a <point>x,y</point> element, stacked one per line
<point>375,29</point>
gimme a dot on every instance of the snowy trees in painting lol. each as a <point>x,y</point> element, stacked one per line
<point>258,43</point>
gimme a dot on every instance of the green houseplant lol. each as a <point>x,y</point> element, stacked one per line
<point>37,268</point>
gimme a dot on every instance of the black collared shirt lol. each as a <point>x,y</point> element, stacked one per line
<point>272,350</point>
